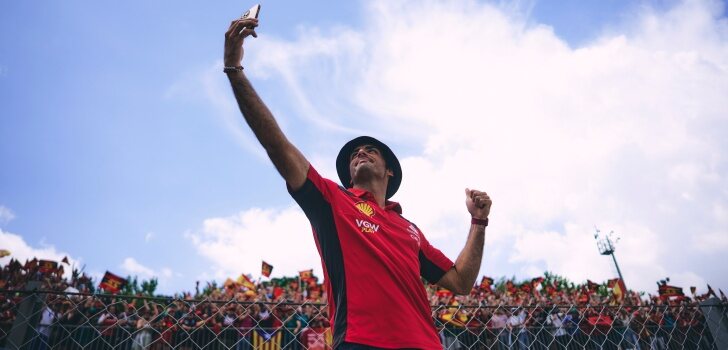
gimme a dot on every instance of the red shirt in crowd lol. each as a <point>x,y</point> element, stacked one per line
<point>372,259</point>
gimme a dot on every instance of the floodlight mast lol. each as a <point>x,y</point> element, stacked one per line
<point>606,247</point>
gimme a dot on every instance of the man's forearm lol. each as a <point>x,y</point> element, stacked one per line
<point>255,112</point>
<point>467,264</point>
<point>289,162</point>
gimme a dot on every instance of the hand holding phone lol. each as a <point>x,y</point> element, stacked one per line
<point>253,12</point>
<point>235,35</point>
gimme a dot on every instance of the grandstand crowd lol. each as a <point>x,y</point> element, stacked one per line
<point>543,312</point>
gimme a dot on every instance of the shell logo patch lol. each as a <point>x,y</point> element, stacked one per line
<point>365,209</point>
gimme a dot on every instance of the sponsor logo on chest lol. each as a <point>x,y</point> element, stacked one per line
<point>366,226</point>
<point>365,208</point>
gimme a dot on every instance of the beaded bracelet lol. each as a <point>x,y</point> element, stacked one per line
<point>232,69</point>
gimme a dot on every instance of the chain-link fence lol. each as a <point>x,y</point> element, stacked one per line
<point>51,320</point>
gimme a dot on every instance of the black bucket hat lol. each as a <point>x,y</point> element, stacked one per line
<point>342,162</point>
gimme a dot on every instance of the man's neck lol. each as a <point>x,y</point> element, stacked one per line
<point>378,191</point>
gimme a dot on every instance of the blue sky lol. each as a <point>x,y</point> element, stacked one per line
<point>121,146</point>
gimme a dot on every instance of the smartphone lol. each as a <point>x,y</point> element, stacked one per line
<point>252,13</point>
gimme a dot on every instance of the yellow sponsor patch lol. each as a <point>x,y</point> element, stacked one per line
<point>365,209</point>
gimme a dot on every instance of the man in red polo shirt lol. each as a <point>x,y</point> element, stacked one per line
<point>372,257</point>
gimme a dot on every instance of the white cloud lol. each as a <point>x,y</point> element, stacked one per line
<point>165,275</point>
<point>626,132</point>
<point>149,236</point>
<point>714,242</point>
<point>133,267</point>
<point>238,244</point>
<point>22,251</point>
<point>6,215</point>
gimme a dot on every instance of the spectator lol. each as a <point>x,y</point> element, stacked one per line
<point>143,326</point>
<point>556,320</point>
<point>518,323</point>
<point>499,326</point>
<point>47,317</point>
<point>629,338</point>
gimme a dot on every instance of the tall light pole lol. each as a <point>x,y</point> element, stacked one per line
<point>606,247</point>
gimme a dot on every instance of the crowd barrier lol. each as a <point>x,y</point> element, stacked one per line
<point>52,320</point>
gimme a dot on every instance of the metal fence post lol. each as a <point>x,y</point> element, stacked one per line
<point>26,318</point>
<point>715,317</point>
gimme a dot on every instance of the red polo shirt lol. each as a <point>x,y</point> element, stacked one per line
<point>372,259</point>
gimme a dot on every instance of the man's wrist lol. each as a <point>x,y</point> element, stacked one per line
<point>232,69</point>
<point>479,221</point>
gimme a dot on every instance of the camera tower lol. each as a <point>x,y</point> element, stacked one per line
<point>606,247</point>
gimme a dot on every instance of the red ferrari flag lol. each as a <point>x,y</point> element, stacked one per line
<point>305,275</point>
<point>112,283</point>
<point>511,288</point>
<point>47,266</point>
<point>667,291</point>
<point>485,283</point>
<point>592,286</point>
<point>266,269</point>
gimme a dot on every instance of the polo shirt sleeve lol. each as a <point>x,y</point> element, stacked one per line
<point>315,196</point>
<point>433,263</point>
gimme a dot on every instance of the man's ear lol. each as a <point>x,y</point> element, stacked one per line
<point>390,173</point>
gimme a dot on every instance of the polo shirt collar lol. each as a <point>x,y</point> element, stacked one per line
<point>366,195</point>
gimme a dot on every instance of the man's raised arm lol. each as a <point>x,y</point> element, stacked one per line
<point>461,277</point>
<point>287,159</point>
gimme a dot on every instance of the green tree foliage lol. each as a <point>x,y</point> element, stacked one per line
<point>134,287</point>
<point>559,282</point>
<point>209,288</point>
<point>149,287</point>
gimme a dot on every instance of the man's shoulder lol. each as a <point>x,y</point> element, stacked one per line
<point>320,181</point>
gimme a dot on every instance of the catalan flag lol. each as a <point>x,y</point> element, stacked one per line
<point>266,269</point>
<point>112,283</point>
<point>263,340</point>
